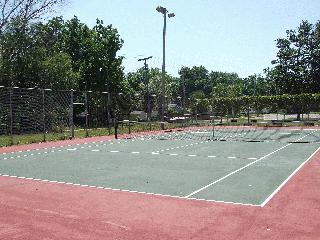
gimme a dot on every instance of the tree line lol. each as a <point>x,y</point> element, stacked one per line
<point>68,54</point>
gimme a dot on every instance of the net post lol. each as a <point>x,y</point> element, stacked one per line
<point>129,126</point>
<point>71,114</point>
<point>43,115</point>
<point>212,122</point>
<point>115,128</point>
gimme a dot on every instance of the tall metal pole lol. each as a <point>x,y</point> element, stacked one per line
<point>163,66</point>
<point>164,12</point>
<point>146,79</point>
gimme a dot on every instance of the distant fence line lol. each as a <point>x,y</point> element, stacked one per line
<point>26,111</point>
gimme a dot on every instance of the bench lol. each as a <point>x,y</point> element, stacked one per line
<point>308,123</point>
<point>277,123</point>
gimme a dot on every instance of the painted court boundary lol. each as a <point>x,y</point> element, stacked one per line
<point>123,190</point>
<point>288,179</point>
<point>246,166</point>
<point>189,196</point>
<point>170,196</point>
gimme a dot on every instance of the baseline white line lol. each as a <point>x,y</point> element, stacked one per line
<point>287,180</point>
<point>132,191</point>
<point>244,167</point>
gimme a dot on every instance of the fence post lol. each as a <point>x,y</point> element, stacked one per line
<point>43,115</point>
<point>86,111</point>
<point>11,115</point>
<point>248,114</point>
<point>71,114</point>
<point>108,112</point>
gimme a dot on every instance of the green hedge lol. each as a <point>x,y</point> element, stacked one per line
<point>301,103</point>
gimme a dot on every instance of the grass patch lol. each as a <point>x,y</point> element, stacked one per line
<point>39,137</point>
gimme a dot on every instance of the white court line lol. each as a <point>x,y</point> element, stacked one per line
<point>285,181</point>
<point>133,191</point>
<point>71,149</point>
<point>54,147</point>
<point>244,167</point>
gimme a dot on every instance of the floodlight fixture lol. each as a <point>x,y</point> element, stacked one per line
<point>162,10</point>
<point>144,59</point>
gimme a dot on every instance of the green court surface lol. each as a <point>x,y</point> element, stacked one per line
<point>228,171</point>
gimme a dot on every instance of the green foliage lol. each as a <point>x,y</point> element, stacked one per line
<point>297,67</point>
<point>57,72</point>
<point>299,103</point>
<point>61,55</point>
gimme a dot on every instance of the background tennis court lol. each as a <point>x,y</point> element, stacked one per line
<point>228,171</point>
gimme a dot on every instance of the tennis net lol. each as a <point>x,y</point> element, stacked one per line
<point>217,132</point>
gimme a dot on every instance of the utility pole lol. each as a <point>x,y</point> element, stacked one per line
<point>146,78</point>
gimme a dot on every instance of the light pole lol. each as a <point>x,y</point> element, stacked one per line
<point>164,12</point>
<point>147,82</point>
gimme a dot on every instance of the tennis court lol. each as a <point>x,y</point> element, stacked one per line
<point>185,164</point>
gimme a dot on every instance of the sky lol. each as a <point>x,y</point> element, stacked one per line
<point>232,36</point>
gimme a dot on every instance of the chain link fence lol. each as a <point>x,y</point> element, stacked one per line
<point>36,115</point>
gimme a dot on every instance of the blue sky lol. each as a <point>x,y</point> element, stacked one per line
<point>233,36</point>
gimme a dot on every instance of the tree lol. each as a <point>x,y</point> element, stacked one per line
<point>255,85</point>
<point>315,57</point>
<point>33,56</point>
<point>193,79</point>
<point>25,10</point>
<point>61,55</point>
<point>94,55</point>
<point>296,68</point>
<point>137,87</point>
